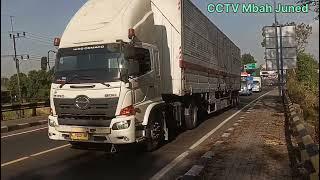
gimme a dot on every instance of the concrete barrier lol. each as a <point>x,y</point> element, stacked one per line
<point>309,151</point>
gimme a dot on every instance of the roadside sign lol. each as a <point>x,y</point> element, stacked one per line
<point>250,66</point>
<point>289,46</point>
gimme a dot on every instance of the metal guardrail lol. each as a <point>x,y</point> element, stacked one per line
<point>23,106</point>
<point>308,158</point>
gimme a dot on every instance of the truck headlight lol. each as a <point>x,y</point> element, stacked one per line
<point>52,123</point>
<point>121,125</point>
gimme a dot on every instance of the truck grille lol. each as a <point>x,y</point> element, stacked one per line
<point>98,112</point>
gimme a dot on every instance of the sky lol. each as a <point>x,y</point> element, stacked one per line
<point>42,20</point>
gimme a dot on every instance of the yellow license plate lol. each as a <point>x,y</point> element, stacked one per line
<point>79,136</point>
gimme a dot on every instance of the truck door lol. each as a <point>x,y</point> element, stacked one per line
<point>145,84</point>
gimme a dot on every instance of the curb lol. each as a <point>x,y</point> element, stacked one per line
<point>198,170</point>
<point>309,151</point>
<point>5,129</point>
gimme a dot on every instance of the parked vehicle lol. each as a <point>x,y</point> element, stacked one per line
<point>257,84</point>
<point>134,71</point>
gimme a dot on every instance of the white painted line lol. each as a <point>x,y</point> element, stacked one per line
<point>33,155</point>
<point>14,161</point>
<point>23,132</point>
<point>23,124</point>
<point>195,171</point>
<point>164,170</point>
<point>49,150</point>
<point>169,166</point>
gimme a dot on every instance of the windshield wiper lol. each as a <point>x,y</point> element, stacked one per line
<point>75,76</point>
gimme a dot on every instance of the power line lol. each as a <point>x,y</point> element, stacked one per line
<point>40,36</point>
<point>41,42</point>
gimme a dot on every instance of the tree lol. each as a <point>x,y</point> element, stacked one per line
<point>312,3</point>
<point>307,71</point>
<point>34,87</point>
<point>39,85</point>
<point>303,32</point>
<point>13,85</point>
<point>247,59</point>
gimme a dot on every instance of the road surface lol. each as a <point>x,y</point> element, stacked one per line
<point>29,154</point>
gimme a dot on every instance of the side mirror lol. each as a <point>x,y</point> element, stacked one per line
<point>124,75</point>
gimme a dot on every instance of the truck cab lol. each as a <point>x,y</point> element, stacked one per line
<point>257,84</point>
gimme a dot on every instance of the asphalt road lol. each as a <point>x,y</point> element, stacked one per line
<point>33,156</point>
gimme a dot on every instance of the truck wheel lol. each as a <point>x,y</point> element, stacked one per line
<point>155,132</point>
<point>191,119</point>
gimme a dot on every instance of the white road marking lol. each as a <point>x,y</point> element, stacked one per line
<point>14,161</point>
<point>25,132</point>
<point>164,170</point>
<point>49,150</point>
<point>169,166</point>
<point>33,155</point>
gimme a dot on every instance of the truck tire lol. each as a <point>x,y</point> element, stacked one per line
<point>154,131</point>
<point>191,119</point>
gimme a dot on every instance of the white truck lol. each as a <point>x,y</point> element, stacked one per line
<point>133,71</point>
<point>257,84</point>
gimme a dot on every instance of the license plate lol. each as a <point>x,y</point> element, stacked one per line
<point>79,136</point>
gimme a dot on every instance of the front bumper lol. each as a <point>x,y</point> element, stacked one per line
<point>244,92</point>
<point>96,134</point>
<point>256,89</point>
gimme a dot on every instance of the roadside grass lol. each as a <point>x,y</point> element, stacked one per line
<point>308,99</point>
<point>13,115</point>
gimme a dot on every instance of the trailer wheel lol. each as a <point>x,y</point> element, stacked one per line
<point>154,131</point>
<point>191,119</point>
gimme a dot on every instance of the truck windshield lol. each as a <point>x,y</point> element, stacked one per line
<point>89,66</point>
<point>243,84</point>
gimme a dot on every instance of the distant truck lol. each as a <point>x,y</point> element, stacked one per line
<point>257,84</point>
<point>246,84</point>
<point>135,71</point>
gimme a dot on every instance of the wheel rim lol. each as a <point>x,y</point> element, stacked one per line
<point>156,131</point>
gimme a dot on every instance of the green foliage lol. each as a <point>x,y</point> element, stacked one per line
<point>303,87</point>
<point>303,32</point>
<point>313,3</point>
<point>247,59</point>
<point>34,86</point>
<point>307,71</point>
<point>13,85</point>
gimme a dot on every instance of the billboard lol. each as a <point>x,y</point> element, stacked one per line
<point>289,46</point>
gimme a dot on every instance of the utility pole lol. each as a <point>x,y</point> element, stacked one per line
<point>277,47</point>
<point>281,63</point>
<point>14,36</point>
